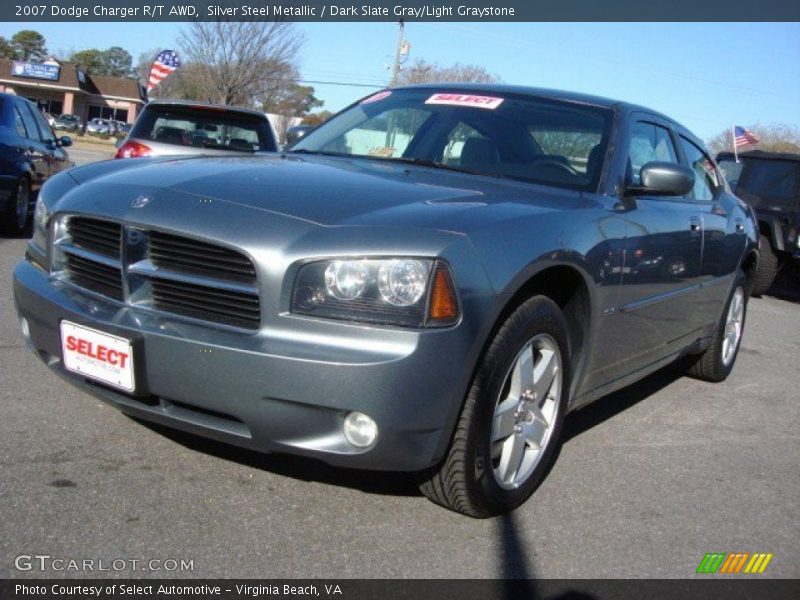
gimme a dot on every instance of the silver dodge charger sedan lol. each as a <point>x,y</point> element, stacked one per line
<point>428,282</point>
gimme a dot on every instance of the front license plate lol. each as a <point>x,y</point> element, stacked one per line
<point>97,355</point>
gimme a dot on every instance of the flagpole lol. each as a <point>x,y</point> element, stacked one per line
<point>733,136</point>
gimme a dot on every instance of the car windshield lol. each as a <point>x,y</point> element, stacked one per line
<point>202,127</point>
<point>503,135</point>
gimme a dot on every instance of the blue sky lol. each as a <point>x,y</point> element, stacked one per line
<point>709,76</point>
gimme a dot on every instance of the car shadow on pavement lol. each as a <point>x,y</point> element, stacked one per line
<point>786,286</point>
<point>25,234</point>
<point>296,467</point>
<point>403,484</point>
<point>613,404</point>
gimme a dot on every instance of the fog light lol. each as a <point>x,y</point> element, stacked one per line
<point>26,333</point>
<point>360,430</point>
<point>26,330</point>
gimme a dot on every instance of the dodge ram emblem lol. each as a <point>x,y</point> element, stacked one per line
<point>141,201</point>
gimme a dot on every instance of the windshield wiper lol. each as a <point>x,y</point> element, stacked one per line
<point>418,162</point>
<point>319,153</point>
<point>427,162</point>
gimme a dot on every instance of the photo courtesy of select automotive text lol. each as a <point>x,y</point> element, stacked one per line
<point>391,299</point>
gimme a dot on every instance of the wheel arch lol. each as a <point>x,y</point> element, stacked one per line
<point>570,287</point>
<point>770,227</point>
<point>749,266</point>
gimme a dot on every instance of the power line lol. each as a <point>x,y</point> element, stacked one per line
<point>600,59</point>
<point>342,83</point>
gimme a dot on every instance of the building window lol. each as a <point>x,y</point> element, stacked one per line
<point>106,112</point>
<point>54,107</point>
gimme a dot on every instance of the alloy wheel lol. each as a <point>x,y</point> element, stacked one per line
<point>524,417</point>
<point>733,327</point>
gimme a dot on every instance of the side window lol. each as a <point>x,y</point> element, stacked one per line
<point>30,123</point>
<point>706,180</point>
<point>649,142</point>
<point>44,126</point>
<point>456,140</point>
<point>19,124</point>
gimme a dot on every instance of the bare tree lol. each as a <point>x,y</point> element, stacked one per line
<point>776,137</point>
<point>240,63</point>
<point>421,71</point>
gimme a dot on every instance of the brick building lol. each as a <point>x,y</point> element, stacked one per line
<point>63,87</point>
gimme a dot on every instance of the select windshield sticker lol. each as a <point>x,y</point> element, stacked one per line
<point>487,102</point>
<point>377,97</point>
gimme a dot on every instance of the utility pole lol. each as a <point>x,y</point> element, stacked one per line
<point>397,54</point>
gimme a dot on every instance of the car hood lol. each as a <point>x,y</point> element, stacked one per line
<point>331,190</point>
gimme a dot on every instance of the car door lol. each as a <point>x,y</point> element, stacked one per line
<point>663,250</point>
<point>57,156</point>
<point>724,236</point>
<point>35,151</point>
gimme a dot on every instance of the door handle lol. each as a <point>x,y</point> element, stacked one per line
<point>695,225</point>
<point>739,225</point>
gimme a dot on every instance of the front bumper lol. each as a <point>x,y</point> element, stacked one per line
<point>280,390</point>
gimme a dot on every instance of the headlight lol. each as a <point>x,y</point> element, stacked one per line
<point>41,215</point>
<point>412,292</point>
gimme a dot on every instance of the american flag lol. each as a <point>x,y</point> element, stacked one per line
<point>743,136</point>
<point>164,64</point>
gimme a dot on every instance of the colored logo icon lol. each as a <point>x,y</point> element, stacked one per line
<point>734,562</point>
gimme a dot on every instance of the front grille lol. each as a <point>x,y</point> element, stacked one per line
<point>231,307</point>
<point>200,258</point>
<point>159,270</point>
<point>93,275</point>
<point>95,235</point>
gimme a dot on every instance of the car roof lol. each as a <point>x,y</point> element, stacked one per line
<point>194,104</point>
<point>545,93</point>
<point>537,92</point>
<point>763,154</point>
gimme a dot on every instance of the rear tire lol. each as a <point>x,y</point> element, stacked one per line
<point>716,362</point>
<point>767,268</point>
<point>15,216</point>
<point>507,435</point>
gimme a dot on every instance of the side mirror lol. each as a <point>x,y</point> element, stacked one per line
<point>663,179</point>
<point>65,141</point>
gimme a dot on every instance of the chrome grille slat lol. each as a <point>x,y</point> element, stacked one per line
<point>95,235</point>
<point>193,256</point>
<point>237,309</point>
<point>171,274</point>
<point>183,289</point>
<point>95,276</point>
<point>163,259</point>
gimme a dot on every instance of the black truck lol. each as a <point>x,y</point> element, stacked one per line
<point>770,183</point>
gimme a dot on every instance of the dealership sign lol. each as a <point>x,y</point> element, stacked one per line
<point>36,70</point>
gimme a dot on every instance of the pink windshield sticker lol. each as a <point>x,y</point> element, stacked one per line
<point>488,102</point>
<point>376,97</point>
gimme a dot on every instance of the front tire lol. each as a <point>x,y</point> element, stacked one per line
<point>716,362</point>
<point>508,433</point>
<point>18,208</point>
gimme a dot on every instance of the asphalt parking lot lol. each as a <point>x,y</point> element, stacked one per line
<point>648,481</point>
<point>85,152</point>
